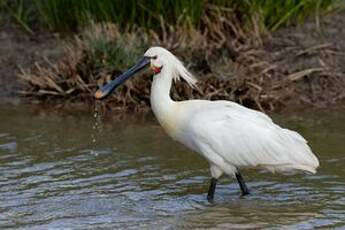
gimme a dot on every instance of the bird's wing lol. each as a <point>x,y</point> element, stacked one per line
<point>248,138</point>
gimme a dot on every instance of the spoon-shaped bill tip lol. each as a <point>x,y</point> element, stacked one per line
<point>108,88</point>
<point>99,94</point>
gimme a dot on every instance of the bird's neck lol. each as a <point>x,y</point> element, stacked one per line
<point>162,105</point>
<point>161,101</point>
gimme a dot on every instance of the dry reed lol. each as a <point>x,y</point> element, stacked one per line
<point>231,64</point>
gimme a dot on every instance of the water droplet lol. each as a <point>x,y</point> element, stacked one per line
<point>95,126</point>
<point>94,153</point>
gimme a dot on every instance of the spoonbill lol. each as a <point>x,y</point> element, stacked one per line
<point>228,135</point>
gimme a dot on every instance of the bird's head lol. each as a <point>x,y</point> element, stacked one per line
<point>160,60</point>
<point>159,57</point>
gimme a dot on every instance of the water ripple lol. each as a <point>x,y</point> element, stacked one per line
<point>134,177</point>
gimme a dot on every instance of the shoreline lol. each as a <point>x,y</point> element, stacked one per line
<point>306,63</point>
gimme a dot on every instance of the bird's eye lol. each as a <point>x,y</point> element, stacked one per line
<point>154,57</point>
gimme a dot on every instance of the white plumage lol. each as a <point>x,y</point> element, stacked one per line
<point>237,137</point>
<point>227,134</point>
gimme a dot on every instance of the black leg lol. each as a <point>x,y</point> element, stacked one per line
<point>211,189</point>
<point>242,184</point>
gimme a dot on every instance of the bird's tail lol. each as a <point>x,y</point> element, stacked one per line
<point>288,168</point>
<point>306,160</point>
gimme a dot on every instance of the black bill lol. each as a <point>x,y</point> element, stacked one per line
<point>108,88</point>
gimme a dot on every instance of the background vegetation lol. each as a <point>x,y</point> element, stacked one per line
<point>219,40</point>
<point>72,15</point>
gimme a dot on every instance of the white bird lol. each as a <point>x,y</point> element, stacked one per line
<point>228,135</point>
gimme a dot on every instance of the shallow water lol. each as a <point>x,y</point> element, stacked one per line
<point>66,171</point>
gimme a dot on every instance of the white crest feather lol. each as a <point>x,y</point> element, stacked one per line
<point>181,72</point>
<point>174,65</point>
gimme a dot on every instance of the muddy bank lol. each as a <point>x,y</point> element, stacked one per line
<point>300,66</point>
<point>312,59</point>
<point>19,49</point>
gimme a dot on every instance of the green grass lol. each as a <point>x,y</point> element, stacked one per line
<point>67,14</point>
<point>71,15</point>
<point>277,13</point>
<point>20,12</point>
